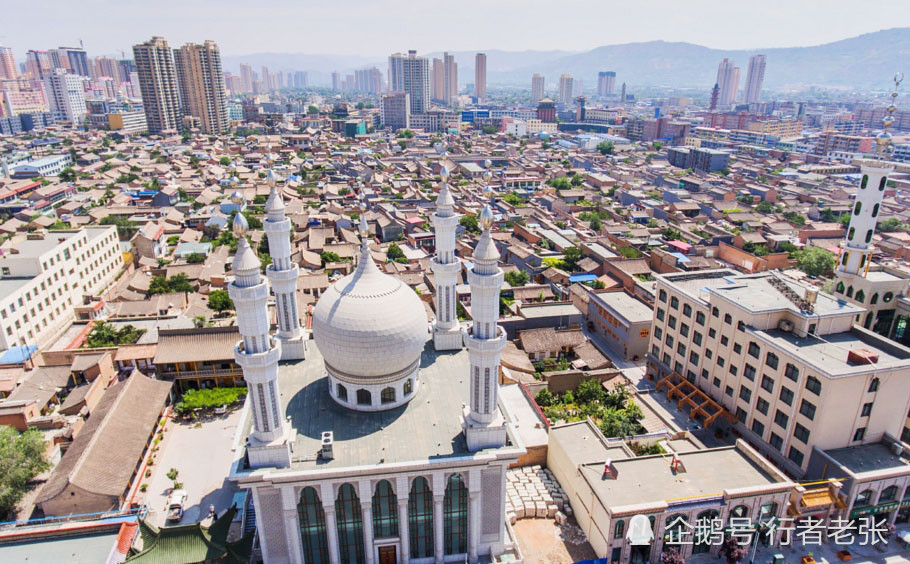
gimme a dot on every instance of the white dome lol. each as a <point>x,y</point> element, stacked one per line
<point>370,327</point>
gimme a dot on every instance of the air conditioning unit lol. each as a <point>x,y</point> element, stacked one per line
<point>785,325</point>
<point>896,448</point>
<point>327,451</point>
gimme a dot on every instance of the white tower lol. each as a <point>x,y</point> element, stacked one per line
<point>484,425</point>
<point>282,275</point>
<point>856,249</point>
<point>446,331</point>
<point>258,354</point>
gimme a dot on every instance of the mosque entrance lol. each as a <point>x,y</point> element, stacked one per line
<point>387,554</point>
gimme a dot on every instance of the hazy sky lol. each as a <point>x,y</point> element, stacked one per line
<point>363,27</point>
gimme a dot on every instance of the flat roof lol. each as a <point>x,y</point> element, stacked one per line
<point>882,276</point>
<point>9,286</point>
<point>33,248</point>
<point>624,305</point>
<point>426,428</point>
<point>756,294</point>
<point>84,549</point>
<point>648,479</point>
<point>524,417</point>
<point>533,311</point>
<point>869,458</point>
<point>583,445</point>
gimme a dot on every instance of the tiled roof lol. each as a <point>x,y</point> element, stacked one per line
<point>199,345</point>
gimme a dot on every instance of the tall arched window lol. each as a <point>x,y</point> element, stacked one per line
<point>874,299</point>
<point>675,529</point>
<point>875,210</point>
<point>740,512</point>
<point>455,516</point>
<point>851,233</point>
<point>850,292</point>
<point>705,522</point>
<point>420,518</point>
<point>620,529</point>
<point>863,499</point>
<point>767,511</point>
<point>868,235</point>
<point>864,182</point>
<point>861,295</point>
<point>364,397</point>
<point>840,288</point>
<point>857,208</point>
<point>385,511</point>
<point>882,183</point>
<point>350,525</point>
<point>888,297</point>
<point>873,385</point>
<point>341,392</point>
<point>312,527</point>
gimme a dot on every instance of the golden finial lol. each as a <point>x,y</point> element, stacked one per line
<point>883,139</point>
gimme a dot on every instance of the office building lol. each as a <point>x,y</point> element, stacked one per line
<point>781,359</point>
<point>45,276</point>
<point>158,84</point>
<point>480,76</point>
<point>201,85</point>
<point>728,80</point>
<point>538,88</point>
<point>755,76</point>
<point>546,110</point>
<point>606,83</point>
<point>411,74</point>
<point>7,64</point>
<point>698,158</point>
<point>450,86</point>
<point>396,110</point>
<point>65,96</point>
<point>127,122</point>
<point>566,89</point>
<point>437,81</point>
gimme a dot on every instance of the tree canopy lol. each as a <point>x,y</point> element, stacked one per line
<point>605,148</point>
<point>469,222</point>
<point>125,228</point>
<point>815,261</point>
<point>21,459</point>
<point>104,334</point>
<point>220,301</point>
<point>517,278</point>
<point>571,256</point>
<point>177,283</point>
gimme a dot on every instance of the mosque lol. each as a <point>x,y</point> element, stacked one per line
<point>386,441</point>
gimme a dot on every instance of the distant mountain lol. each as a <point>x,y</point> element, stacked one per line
<point>863,62</point>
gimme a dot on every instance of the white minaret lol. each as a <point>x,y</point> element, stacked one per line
<point>484,425</point>
<point>282,275</point>
<point>258,354</point>
<point>856,249</point>
<point>447,330</point>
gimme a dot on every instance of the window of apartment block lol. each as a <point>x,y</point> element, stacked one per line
<point>801,433</point>
<point>754,350</point>
<point>724,340</point>
<point>655,350</point>
<point>786,395</point>
<point>741,325</point>
<point>796,456</point>
<point>807,409</point>
<point>708,353</point>
<point>791,372</point>
<point>716,382</point>
<point>690,376</point>
<point>662,296</point>
<point>658,333</point>
<point>772,360</point>
<point>741,414</point>
<point>767,384</point>
<point>693,357</point>
<point>670,340</point>
<point>859,434</point>
<point>728,319</point>
<point>775,441</point>
<point>745,393</point>
<point>681,348</point>
<point>749,372</point>
<point>721,361</point>
<point>867,409</point>
<point>781,419</point>
<point>674,302</point>
<point>687,310</point>
<point>660,314</point>
<point>712,333</point>
<point>737,348</point>
<point>814,385</point>
<point>729,391</point>
<point>873,386</point>
<point>699,318</point>
<point>696,338</point>
<point>733,370</point>
<point>684,330</point>
<point>677,366</point>
<point>758,427</point>
<point>704,372</point>
<point>666,358</point>
<point>762,406</point>
<point>715,312</point>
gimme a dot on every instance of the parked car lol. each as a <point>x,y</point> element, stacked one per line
<point>175,503</point>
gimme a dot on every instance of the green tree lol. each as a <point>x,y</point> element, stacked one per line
<point>220,301</point>
<point>560,183</point>
<point>104,334</point>
<point>394,252</point>
<point>406,134</point>
<point>670,234</point>
<point>224,161</point>
<point>605,148</point>
<point>21,459</point>
<point>571,256</point>
<point>177,283</point>
<point>195,258</point>
<point>544,398</point>
<point>67,175</point>
<point>595,224</point>
<point>517,278</point>
<point>125,228</point>
<point>329,256</point>
<point>311,109</point>
<point>490,129</point>
<point>590,390</point>
<point>815,261</point>
<point>469,222</point>
<point>764,207</point>
<point>794,218</point>
<point>513,199</point>
<point>891,225</point>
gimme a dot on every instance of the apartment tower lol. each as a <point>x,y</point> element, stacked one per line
<point>158,84</point>
<point>606,83</point>
<point>201,85</point>
<point>450,80</point>
<point>7,64</point>
<point>755,76</point>
<point>411,74</point>
<point>538,87</point>
<point>728,80</point>
<point>480,76</point>
<point>566,89</point>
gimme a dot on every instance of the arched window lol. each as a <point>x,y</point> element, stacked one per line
<point>862,260</point>
<point>706,522</point>
<point>882,183</point>
<point>676,527</point>
<point>846,257</point>
<point>341,392</point>
<point>408,386</point>
<point>767,511</point>
<point>873,385</point>
<point>888,297</point>
<point>861,296</point>
<point>312,527</point>
<point>350,525</point>
<point>385,511</point>
<point>620,529</point>
<point>864,182</point>
<point>888,494</point>
<point>840,288</point>
<point>874,299</point>
<point>857,208</point>
<point>907,493</point>
<point>875,210</point>
<point>850,292</point>
<point>455,515</point>
<point>851,233</point>
<point>420,518</point>
<point>387,395</point>
<point>740,512</point>
<point>364,397</point>
<point>868,235</point>
<point>863,499</point>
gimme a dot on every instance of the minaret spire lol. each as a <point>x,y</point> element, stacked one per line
<point>484,424</point>
<point>257,354</point>
<point>446,331</point>
<point>282,274</point>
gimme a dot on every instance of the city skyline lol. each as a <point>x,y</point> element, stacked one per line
<point>564,31</point>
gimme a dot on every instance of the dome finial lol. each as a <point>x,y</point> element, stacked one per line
<point>271,178</point>
<point>486,218</point>
<point>240,225</point>
<point>883,139</point>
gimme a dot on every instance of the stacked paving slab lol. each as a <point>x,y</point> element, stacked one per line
<point>533,493</point>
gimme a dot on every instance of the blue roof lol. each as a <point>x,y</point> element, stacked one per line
<point>582,278</point>
<point>18,354</point>
<point>681,257</point>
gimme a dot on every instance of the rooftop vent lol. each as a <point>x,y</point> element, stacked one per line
<point>804,304</point>
<point>328,441</point>
<point>786,326</point>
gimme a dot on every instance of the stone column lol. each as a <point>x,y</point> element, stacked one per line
<point>404,532</point>
<point>438,525</point>
<point>473,525</point>
<point>327,493</point>
<point>292,524</point>
<point>366,512</point>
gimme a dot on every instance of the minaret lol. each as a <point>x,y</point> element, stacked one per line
<point>856,249</point>
<point>257,354</point>
<point>282,275</point>
<point>446,331</point>
<point>484,425</point>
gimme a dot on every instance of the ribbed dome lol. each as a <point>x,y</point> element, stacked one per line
<point>369,325</point>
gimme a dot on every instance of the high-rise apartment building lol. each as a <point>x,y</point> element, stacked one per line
<point>480,75</point>
<point>73,59</point>
<point>450,86</point>
<point>368,80</point>
<point>247,77</point>
<point>158,85</point>
<point>566,89</point>
<point>265,77</point>
<point>127,70</point>
<point>201,85</point>
<point>728,80</point>
<point>538,87</point>
<point>606,83</point>
<point>7,64</point>
<point>396,110</point>
<point>38,63</point>
<point>66,96</point>
<point>107,67</point>
<point>411,74</point>
<point>336,80</point>
<point>755,76</point>
<point>578,87</point>
<point>438,81</point>
<point>300,79</point>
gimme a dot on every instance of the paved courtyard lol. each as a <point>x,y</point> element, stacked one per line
<point>543,541</point>
<point>202,454</point>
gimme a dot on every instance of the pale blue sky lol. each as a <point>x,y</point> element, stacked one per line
<point>363,27</point>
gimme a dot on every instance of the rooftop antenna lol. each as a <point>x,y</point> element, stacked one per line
<point>883,139</point>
